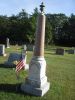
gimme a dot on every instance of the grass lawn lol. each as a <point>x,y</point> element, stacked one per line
<point>60,72</point>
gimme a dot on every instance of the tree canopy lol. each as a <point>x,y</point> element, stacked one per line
<point>20,28</point>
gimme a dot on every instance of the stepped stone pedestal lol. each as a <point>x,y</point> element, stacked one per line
<point>36,83</point>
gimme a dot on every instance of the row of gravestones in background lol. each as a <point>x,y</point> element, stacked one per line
<point>17,57</point>
<point>14,58</point>
<point>2,49</point>
<point>59,51</point>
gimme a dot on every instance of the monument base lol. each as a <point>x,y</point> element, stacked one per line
<point>36,83</point>
<point>28,88</point>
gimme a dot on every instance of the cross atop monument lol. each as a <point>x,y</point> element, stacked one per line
<point>42,7</point>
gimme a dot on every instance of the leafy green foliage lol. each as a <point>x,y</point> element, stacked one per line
<point>21,28</point>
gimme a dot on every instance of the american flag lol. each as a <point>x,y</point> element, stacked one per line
<point>20,65</point>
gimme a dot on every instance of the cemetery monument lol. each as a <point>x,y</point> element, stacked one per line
<point>36,83</point>
<point>24,47</point>
<point>2,50</point>
<point>16,57</point>
<point>71,51</point>
<point>60,51</point>
<point>7,43</point>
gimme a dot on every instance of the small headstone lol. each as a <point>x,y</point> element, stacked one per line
<point>71,51</point>
<point>60,51</point>
<point>2,50</point>
<point>14,58</point>
<point>24,47</point>
<point>24,56</point>
<point>7,43</point>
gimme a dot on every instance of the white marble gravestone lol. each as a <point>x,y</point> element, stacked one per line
<point>24,55</point>
<point>2,50</point>
<point>24,47</point>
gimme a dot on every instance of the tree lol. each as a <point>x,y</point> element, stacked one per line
<point>60,29</point>
<point>48,35</point>
<point>23,14</point>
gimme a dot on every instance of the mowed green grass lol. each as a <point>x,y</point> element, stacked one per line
<point>60,72</point>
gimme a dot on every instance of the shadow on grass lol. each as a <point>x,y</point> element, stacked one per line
<point>7,66</point>
<point>12,88</point>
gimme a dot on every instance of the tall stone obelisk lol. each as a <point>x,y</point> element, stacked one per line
<point>36,83</point>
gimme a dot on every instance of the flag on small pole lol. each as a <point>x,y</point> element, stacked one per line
<point>20,66</point>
